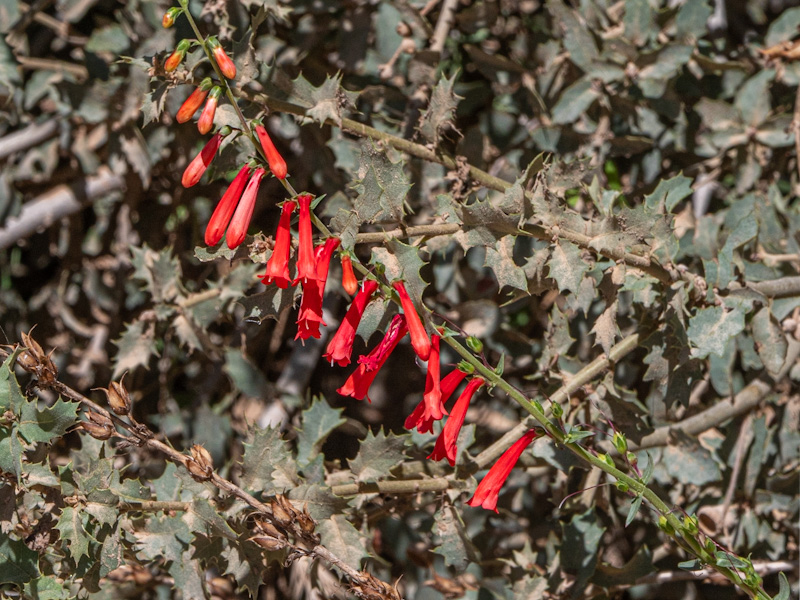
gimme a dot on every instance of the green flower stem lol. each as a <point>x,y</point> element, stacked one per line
<point>689,542</point>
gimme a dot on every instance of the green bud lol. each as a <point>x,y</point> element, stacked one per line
<point>690,525</point>
<point>466,367</point>
<point>474,344</point>
<point>665,525</point>
<point>622,486</point>
<point>538,405</point>
<point>620,443</point>
<point>606,459</point>
<point>632,458</point>
<point>558,412</point>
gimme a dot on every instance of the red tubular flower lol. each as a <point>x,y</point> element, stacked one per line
<point>419,337</point>
<point>276,163</point>
<point>193,102</point>
<point>446,442</point>
<point>432,407</point>
<point>174,59</point>
<point>278,264</point>
<point>341,345</point>
<point>310,316</point>
<point>489,488</point>
<point>244,211</point>
<point>357,385</point>
<point>306,267</point>
<point>447,386</point>
<point>206,120</point>
<point>349,281</point>
<point>224,211</point>
<point>200,163</point>
<point>224,61</point>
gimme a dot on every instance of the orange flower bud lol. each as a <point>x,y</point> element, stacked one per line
<point>349,281</point>
<point>224,61</point>
<point>200,163</point>
<point>206,121</point>
<point>176,58</point>
<point>276,163</point>
<point>169,17</point>
<point>193,102</point>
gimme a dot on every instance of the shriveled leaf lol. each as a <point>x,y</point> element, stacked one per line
<point>440,112</point>
<point>567,266</point>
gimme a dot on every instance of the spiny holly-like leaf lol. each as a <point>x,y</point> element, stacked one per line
<point>136,346</point>
<point>11,450</point>
<point>487,222</point>
<point>440,111</point>
<point>18,563</point>
<point>340,537</point>
<point>11,397</point>
<point>267,305</point>
<point>346,224</point>
<point>382,186</point>
<point>605,327</point>
<point>668,193</point>
<point>402,261</point>
<point>319,500</point>
<point>245,563</point>
<point>160,271</point>
<point>48,424</point>
<point>153,104</point>
<point>579,546</point>
<point>204,517</point>
<point>163,537</point>
<point>770,341</point>
<point>456,546</point>
<point>376,317</point>
<point>329,99</point>
<point>689,462</point>
<point>48,588</point>
<point>111,553</point>
<point>710,328</point>
<point>268,465</point>
<point>500,260</point>
<point>71,525</point>
<point>566,266</point>
<point>378,455</point>
<point>319,420</point>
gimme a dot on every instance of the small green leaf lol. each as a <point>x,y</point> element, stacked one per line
<point>635,505</point>
<point>48,424</point>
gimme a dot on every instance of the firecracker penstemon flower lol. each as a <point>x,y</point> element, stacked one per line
<point>194,172</point>
<point>357,385</point>
<point>419,337</point>
<point>222,214</point>
<point>446,443</point>
<point>419,418</point>
<point>278,264</point>
<point>341,345</point>
<point>349,281</point>
<point>240,221</point>
<point>488,490</point>
<point>309,318</point>
<point>306,267</point>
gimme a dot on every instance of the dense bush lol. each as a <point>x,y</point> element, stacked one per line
<point>593,203</point>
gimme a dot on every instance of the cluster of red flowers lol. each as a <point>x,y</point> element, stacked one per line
<point>231,218</point>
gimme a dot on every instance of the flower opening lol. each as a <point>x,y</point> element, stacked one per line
<point>310,316</point>
<point>357,385</point>
<point>446,442</point>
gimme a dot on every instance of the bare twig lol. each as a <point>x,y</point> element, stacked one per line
<point>60,202</point>
<point>31,136</point>
<point>443,25</point>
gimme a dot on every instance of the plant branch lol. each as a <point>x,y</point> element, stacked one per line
<point>403,486</point>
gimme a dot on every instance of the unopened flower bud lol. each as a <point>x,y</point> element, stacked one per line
<point>665,525</point>
<point>475,344</point>
<point>224,61</point>
<point>118,398</point>
<point>169,17</point>
<point>177,56</point>
<point>690,524</point>
<point>558,412</point>
<point>274,159</point>
<point>98,426</point>
<point>620,443</point>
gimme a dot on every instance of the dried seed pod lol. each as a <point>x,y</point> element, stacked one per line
<point>28,361</point>
<point>305,521</point>
<point>118,398</point>
<point>200,464</point>
<point>268,542</point>
<point>98,426</point>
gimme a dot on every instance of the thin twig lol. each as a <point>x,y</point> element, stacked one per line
<point>443,25</point>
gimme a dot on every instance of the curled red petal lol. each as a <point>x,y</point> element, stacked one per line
<point>340,347</point>
<point>446,442</point>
